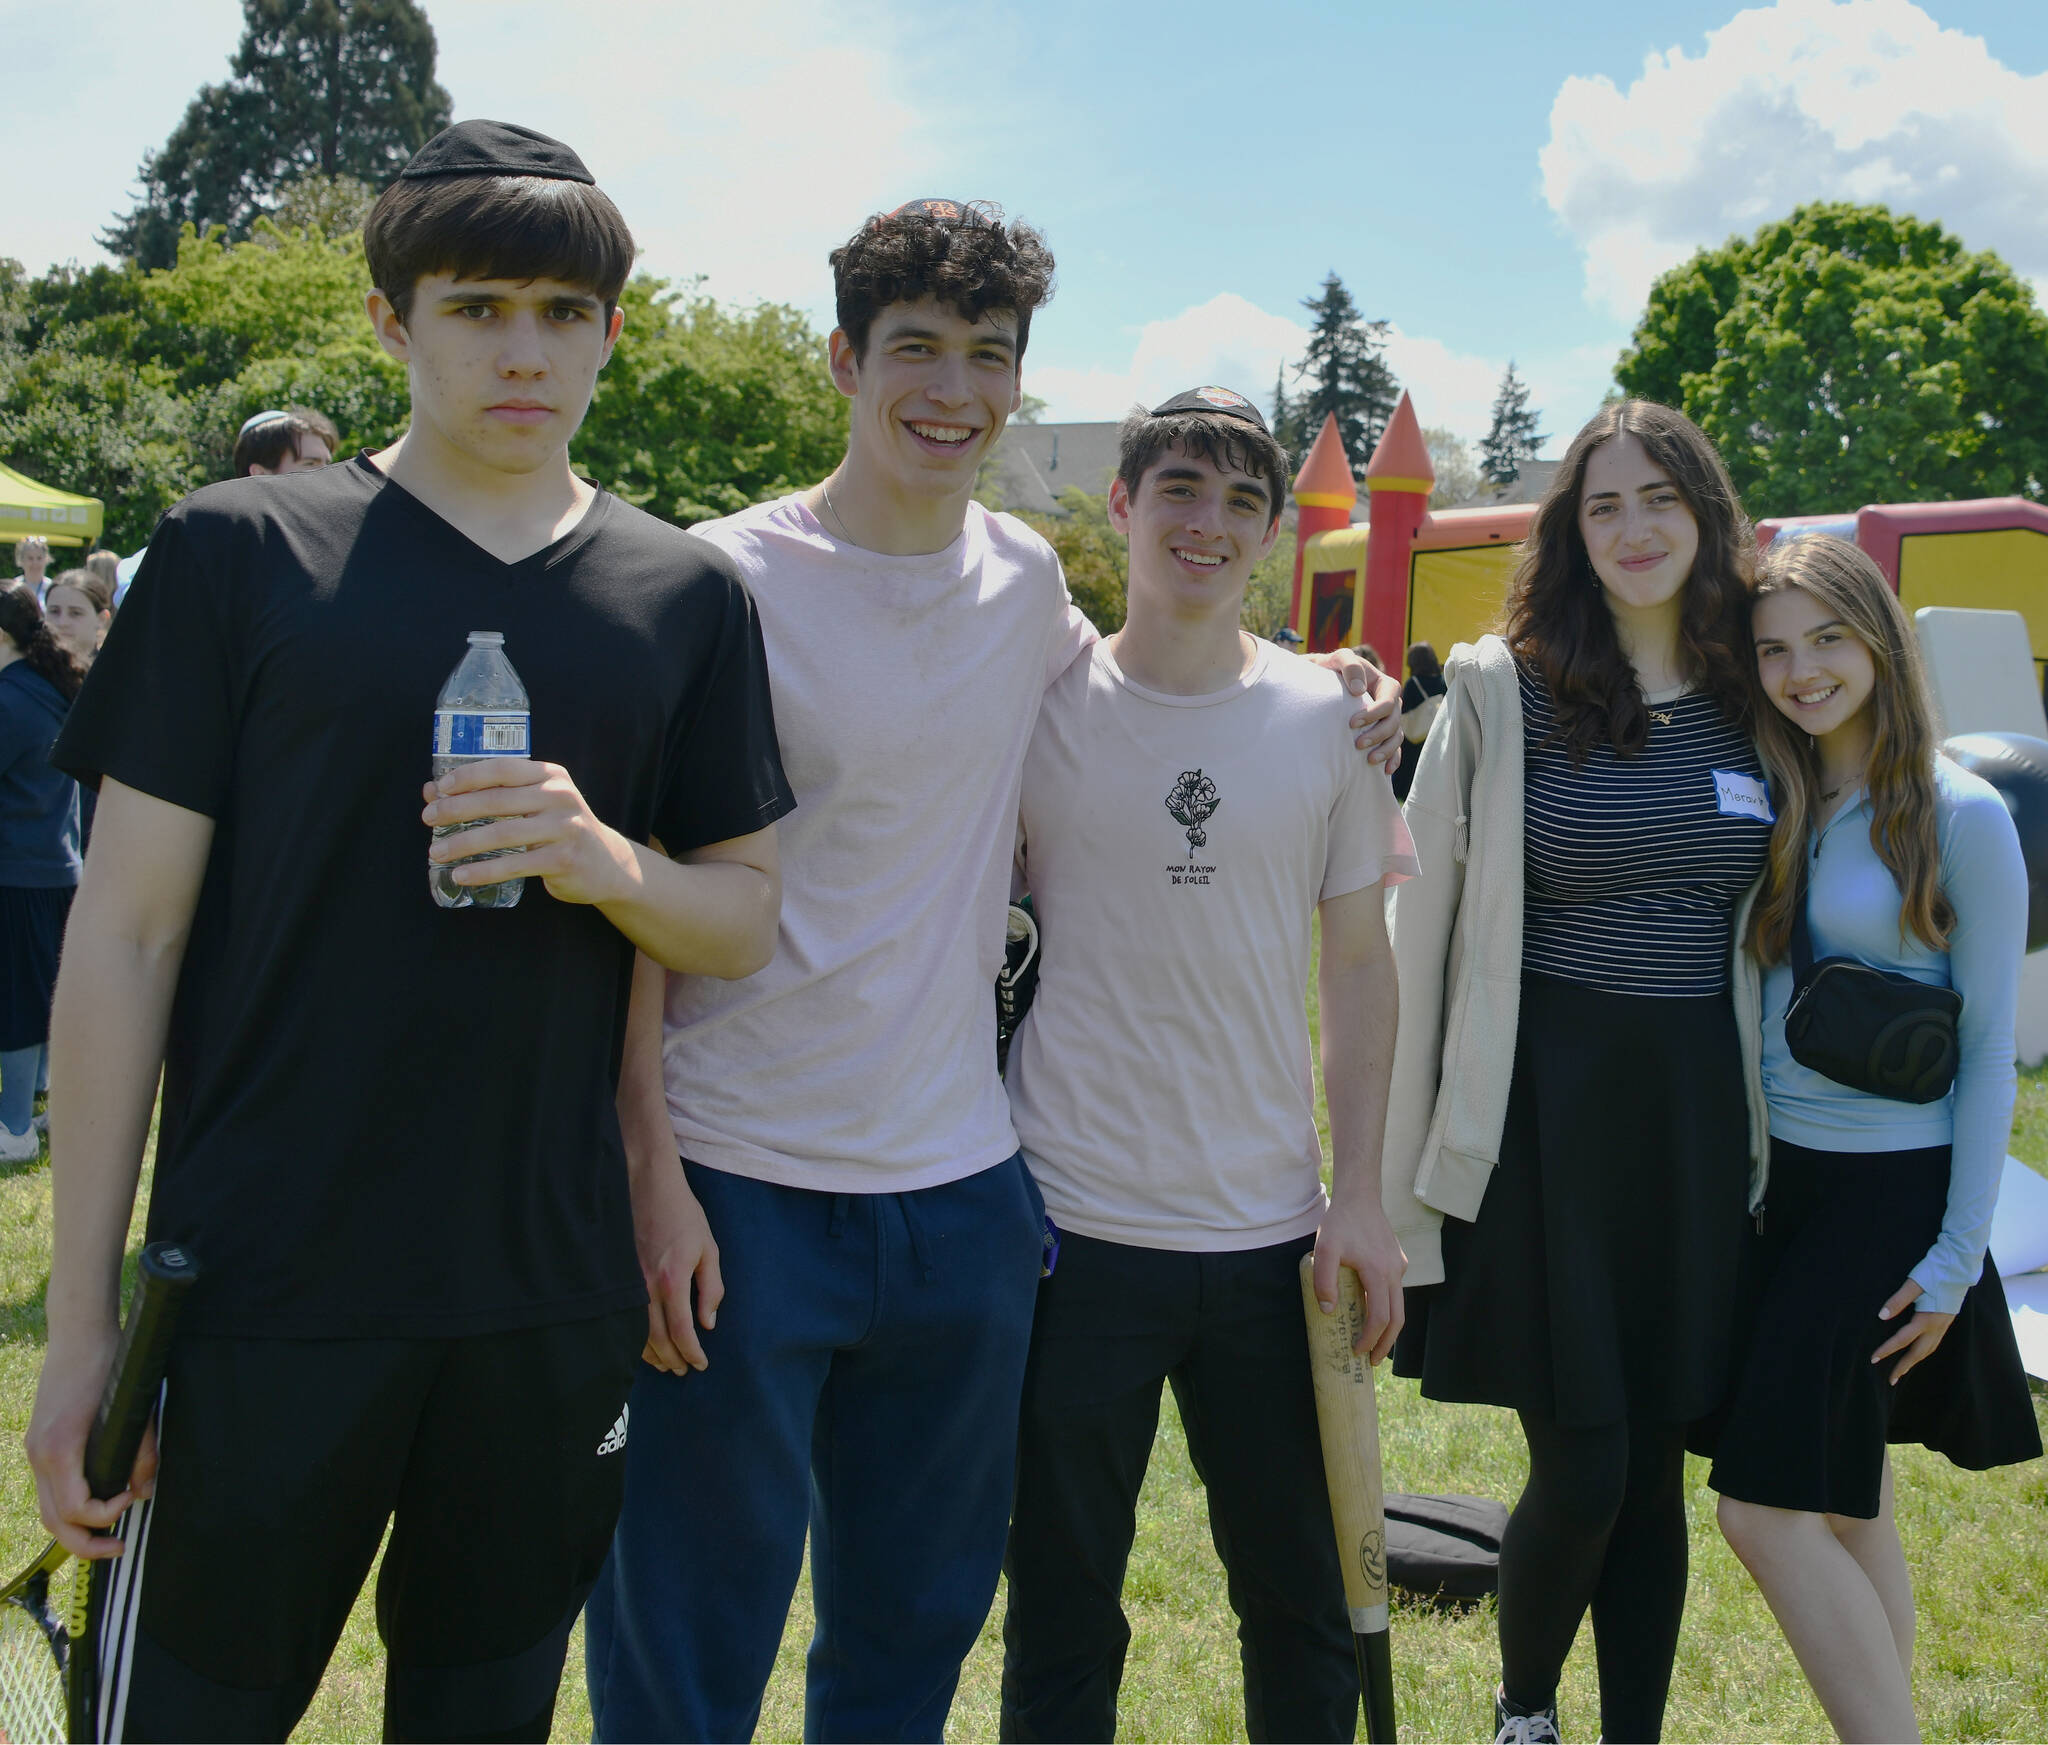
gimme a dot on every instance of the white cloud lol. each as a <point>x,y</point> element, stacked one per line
<point>1228,341</point>
<point>1867,100</point>
<point>741,142</point>
<point>1232,342</point>
<point>90,89</point>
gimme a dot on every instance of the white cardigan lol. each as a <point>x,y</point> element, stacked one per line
<point>1458,950</point>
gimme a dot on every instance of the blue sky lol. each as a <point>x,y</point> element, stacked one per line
<point>1496,180</point>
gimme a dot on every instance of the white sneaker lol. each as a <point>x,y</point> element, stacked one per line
<point>20,1147</point>
<point>40,1120</point>
<point>1538,1729</point>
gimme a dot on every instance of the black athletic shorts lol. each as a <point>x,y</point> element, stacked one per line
<point>497,1461</point>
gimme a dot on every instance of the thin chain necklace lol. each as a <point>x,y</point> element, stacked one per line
<point>846,532</point>
<point>1828,794</point>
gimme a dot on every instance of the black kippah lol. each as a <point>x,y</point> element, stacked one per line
<point>1218,400</point>
<point>494,148</point>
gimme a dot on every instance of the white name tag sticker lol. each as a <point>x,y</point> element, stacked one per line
<point>1742,796</point>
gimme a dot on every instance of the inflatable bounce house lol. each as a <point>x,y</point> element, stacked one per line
<point>1410,575</point>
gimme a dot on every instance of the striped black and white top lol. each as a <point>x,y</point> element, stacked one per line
<point>1634,864</point>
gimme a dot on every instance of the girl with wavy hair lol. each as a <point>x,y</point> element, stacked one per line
<point>1567,1152</point>
<point>39,854</point>
<point>1878,1315</point>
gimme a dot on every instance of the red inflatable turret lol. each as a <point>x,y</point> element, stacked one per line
<point>1399,477</point>
<point>1324,493</point>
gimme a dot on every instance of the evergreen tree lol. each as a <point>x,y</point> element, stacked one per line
<point>1514,437</point>
<point>1286,416</point>
<point>331,88</point>
<point>1346,375</point>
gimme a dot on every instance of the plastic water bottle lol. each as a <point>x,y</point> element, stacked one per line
<point>482,712</point>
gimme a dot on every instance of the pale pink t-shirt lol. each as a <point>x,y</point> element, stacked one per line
<point>862,1059</point>
<point>1176,849</point>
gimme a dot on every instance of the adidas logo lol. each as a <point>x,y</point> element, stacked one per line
<point>615,1437</point>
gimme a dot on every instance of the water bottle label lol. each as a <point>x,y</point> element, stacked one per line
<point>481,732</point>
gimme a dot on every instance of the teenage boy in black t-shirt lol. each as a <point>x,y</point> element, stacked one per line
<point>388,1130</point>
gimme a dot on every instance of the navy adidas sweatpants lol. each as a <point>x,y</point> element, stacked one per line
<point>864,1384</point>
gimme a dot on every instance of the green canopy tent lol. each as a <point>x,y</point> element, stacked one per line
<point>63,519</point>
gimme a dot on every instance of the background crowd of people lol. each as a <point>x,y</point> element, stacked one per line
<point>51,626</point>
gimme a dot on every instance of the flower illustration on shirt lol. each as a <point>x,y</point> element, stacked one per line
<point>1192,804</point>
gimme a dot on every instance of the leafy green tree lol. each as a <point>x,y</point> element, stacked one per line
<point>1847,355</point>
<point>1345,375</point>
<point>1513,437</point>
<point>130,385</point>
<point>1093,554</point>
<point>327,87</point>
<point>1267,594</point>
<point>704,410</point>
<point>86,420</point>
<point>1457,474</point>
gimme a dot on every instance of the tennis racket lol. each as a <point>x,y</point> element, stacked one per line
<point>1347,1413</point>
<point>50,1612</point>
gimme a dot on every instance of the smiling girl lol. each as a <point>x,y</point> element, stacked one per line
<point>1876,1212</point>
<point>1567,1143</point>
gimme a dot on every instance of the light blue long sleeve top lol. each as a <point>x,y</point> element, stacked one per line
<point>1853,911</point>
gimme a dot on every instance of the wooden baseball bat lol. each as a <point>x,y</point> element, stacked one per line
<point>1348,1417</point>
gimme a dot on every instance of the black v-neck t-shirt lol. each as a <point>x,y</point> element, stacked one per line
<point>382,1118</point>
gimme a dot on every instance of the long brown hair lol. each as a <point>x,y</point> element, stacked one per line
<point>21,621</point>
<point>1900,775</point>
<point>1556,618</point>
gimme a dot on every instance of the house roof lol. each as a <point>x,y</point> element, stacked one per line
<point>1034,463</point>
<point>1529,486</point>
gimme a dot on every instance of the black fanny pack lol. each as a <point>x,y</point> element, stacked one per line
<point>1870,1029</point>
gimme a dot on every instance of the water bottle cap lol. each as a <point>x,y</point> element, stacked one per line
<point>487,639</point>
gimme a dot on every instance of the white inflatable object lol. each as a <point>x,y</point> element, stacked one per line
<point>1981,665</point>
<point>2019,1228</point>
<point>2028,1299</point>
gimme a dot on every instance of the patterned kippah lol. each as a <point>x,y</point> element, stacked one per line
<point>495,148</point>
<point>946,211</point>
<point>1218,400</point>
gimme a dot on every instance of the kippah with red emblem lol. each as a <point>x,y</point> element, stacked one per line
<point>495,148</point>
<point>946,211</point>
<point>1220,400</point>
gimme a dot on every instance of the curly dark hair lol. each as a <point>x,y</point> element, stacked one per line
<point>1556,619</point>
<point>21,621</point>
<point>973,263</point>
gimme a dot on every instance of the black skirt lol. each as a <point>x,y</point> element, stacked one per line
<point>1810,1415</point>
<point>31,929</point>
<point>1600,1280</point>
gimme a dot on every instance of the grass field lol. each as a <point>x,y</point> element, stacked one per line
<point>1978,1544</point>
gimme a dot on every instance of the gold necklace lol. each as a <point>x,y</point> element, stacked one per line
<point>1829,793</point>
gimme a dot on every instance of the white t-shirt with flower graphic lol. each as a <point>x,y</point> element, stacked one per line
<point>1176,849</point>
